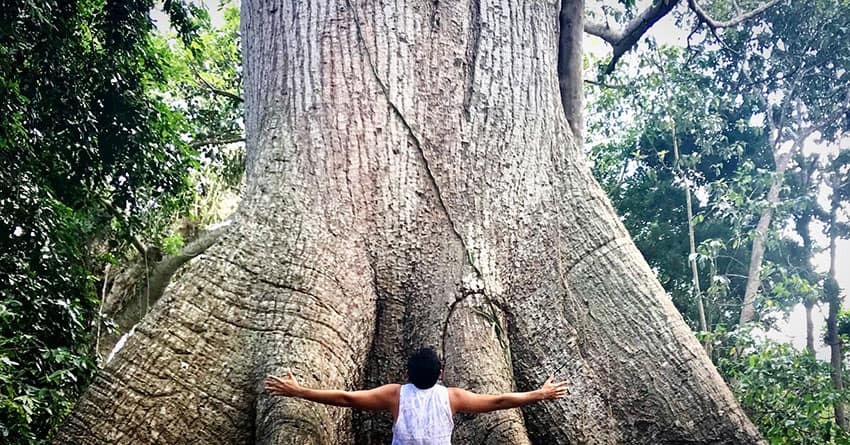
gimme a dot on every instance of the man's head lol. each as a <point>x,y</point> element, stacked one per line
<point>423,368</point>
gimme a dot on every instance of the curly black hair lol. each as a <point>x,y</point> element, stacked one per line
<point>423,368</point>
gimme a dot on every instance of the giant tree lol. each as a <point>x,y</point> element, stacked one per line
<point>411,179</point>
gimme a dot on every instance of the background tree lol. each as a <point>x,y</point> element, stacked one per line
<point>838,181</point>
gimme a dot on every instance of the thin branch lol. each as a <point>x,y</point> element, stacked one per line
<point>215,90</point>
<point>225,139</point>
<point>714,24</point>
<point>605,85</point>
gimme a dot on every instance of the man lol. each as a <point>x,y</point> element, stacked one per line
<point>422,410</point>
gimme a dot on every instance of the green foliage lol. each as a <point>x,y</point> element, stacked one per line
<point>783,70</point>
<point>204,85</point>
<point>46,305</point>
<point>92,152</point>
<point>723,161</point>
<point>788,394</point>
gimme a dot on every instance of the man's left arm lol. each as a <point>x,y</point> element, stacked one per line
<point>376,399</point>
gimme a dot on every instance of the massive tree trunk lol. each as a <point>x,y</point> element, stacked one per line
<point>411,180</point>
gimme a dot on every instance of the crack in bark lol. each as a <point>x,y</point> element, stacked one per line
<point>420,142</point>
<point>435,14</point>
<point>472,53</point>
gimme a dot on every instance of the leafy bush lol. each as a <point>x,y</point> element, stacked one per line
<point>787,393</point>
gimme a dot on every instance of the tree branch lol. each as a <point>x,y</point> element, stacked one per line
<point>217,91</point>
<point>222,140</point>
<point>605,85</point>
<point>604,32</point>
<point>714,24</point>
<point>124,291</point>
<point>623,40</point>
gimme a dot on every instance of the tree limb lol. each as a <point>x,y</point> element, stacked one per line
<point>222,140</point>
<point>605,85</point>
<point>120,296</point>
<point>623,40</point>
<point>217,91</point>
<point>714,24</point>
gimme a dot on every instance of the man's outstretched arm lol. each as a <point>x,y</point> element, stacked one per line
<point>381,398</point>
<point>465,401</point>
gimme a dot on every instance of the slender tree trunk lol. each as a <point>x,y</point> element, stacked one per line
<point>760,233</point>
<point>411,180</point>
<point>802,225</point>
<point>833,295</point>
<point>692,253</point>
<point>810,327</point>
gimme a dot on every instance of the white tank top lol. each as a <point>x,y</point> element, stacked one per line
<point>424,416</point>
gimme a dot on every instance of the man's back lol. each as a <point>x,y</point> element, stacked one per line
<point>424,416</point>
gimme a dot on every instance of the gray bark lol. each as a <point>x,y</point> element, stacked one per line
<point>411,180</point>
<point>571,65</point>
<point>759,235</point>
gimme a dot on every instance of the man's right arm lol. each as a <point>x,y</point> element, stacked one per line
<point>465,401</point>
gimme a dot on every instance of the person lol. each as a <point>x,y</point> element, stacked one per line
<point>422,410</point>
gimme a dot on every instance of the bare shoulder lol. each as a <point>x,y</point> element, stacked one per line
<point>389,391</point>
<point>458,398</point>
<point>454,391</point>
<point>390,388</point>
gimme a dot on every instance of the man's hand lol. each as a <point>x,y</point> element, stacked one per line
<point>283,387</point>
<point>552,389</point>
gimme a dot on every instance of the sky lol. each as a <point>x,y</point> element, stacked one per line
<point>666,32</point>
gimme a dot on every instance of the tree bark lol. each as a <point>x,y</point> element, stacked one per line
<point>810,326</point>
<point>411,180</point>
<point>571,65</point>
